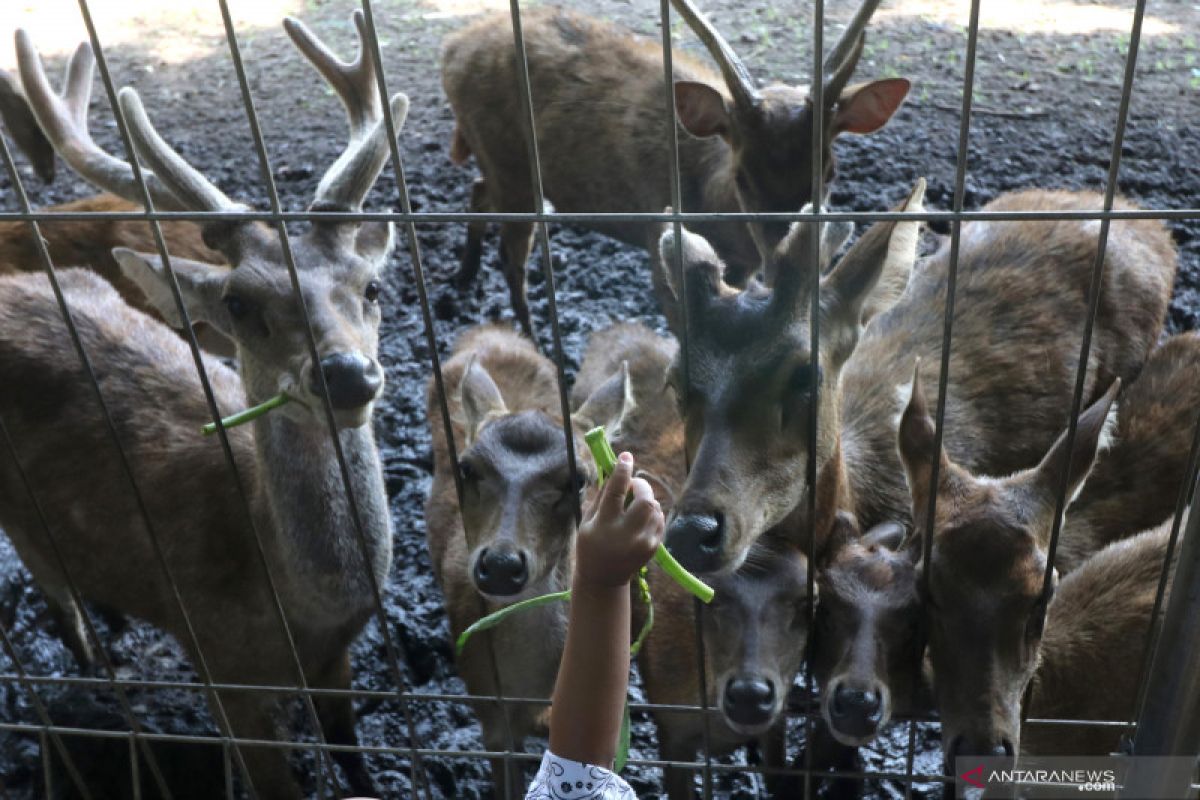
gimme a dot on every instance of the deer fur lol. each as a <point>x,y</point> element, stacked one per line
<point>870,607</point>
<point>747,388</point>
<point>600,116</point>
<point>298,507</point>
<point>519,494</point>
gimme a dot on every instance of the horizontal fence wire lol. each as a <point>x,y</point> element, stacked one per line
<point>50,734</point>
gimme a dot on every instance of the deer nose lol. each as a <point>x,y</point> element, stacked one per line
<point>501,572</point>
<point>856,711</point>
<point>697,540</point>
<point>353,380</point>
<point>981,747</point>
<point>749,700</point>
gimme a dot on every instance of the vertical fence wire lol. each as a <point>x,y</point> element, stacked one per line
<point>960,178</point>
<point>816,185</point>
<point>201,370</point>
<point>1110,191</point>
<point>390,647</point>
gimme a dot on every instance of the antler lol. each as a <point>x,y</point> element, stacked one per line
<point>840,64</point>
<point>174,185</point>
<point>348,180</point>
<point>737,77</point>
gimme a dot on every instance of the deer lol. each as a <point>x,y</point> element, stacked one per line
<point>751,378</point>
<point>295,524</point>
<point>865,655</point>
<point>90,242</point>
<point>512,536</point>
<point>741,148</point>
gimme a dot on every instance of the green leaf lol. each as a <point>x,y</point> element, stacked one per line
<point>496,617</point>
<point>242,417</point>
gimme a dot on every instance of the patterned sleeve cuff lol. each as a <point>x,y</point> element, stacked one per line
<point>562,779</point>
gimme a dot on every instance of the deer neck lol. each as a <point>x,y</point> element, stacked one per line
<point>834,493</point>
<point>317,545</point>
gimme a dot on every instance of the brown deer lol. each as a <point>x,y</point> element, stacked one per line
<point>599,96</point>
<point>513,535</point>
<point>751,376</point>
<point>865,655</point>
<point>985,604</point>
<point>322,571</point>
<point>88,243</point>
<point>755,632</point>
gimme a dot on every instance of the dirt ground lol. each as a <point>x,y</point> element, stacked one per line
<point>1047,90</point>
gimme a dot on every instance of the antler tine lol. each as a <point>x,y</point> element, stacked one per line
<point>346,183</point>
<point>63,119</point>
<point>737,77</point>
<point>193,190</point>
<point>840,64</point>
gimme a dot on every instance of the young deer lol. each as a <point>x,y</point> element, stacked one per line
<point>297,501</point>
<point>752,376</point>
<point>865,657</point>
<point>513,535</point>
<point>89,243</point>
<point>755,632</point>
<point>599,93</point>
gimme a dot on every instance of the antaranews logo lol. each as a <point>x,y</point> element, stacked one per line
<point>1059,777</point>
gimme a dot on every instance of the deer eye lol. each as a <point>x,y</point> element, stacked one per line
<point>371,293</point>
<point>467,472</point>
<point>237,307</point>
<point>575,483</point>
<point>805,378</point>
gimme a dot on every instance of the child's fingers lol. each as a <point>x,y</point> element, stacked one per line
<point>612,496</point>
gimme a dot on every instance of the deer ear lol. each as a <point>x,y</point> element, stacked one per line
<point>703,267</point>
<point>1091,434</point>
<point>887,535</point>
<point>200,284</point>
<point>609,404</point>
<point>480,398</point>
<point>19,119</point>
<point>701,109</point>
<point>915,439</point>
<point>374,241</point>
<point>874,273</point>
<point>867,107</point>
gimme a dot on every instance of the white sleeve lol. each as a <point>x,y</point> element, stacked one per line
<point>561,779</point>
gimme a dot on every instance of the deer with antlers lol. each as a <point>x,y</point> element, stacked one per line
<point>752,377</point>
<point>599,98</point>
<point>88,243</point>
<point>239,565</point>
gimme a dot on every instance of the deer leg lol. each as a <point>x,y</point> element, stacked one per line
<point>251,716</point>
<point>774,750</point>
<point>830,754</point>
<point>508,776</point>
<point>337,724</point>
<point>678,782</point>
<point>516,240</point>
<point>472,256</point>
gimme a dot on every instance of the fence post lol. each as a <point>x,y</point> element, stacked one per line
<point>1169,724</point>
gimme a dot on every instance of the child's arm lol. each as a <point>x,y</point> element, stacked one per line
<point>614,541</point>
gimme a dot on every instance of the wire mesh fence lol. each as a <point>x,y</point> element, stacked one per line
<point>144,752</point>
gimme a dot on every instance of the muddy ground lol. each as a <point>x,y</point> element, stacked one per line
<point>1046,103</point>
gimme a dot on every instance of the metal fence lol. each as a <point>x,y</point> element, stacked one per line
<point>1170,682</point>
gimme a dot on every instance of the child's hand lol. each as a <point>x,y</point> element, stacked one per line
<point>614,540</point>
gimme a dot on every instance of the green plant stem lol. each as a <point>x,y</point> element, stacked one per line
<point>606,462</point>
<point>242,417</point>
<point>496,617</point>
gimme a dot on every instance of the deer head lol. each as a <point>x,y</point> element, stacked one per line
<point>254,303</point>
<point>770,130</point>
<point>519,495</point>
<point>985,603</point>
<point>865,654</point>
<point>751,376</point>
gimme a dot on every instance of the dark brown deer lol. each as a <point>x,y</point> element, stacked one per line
<point>89,243</point>
<point>513,536</point>
<point>599,97</point>
<point>322,572</point>
<point>865,656</point>
<point>752,376</point>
